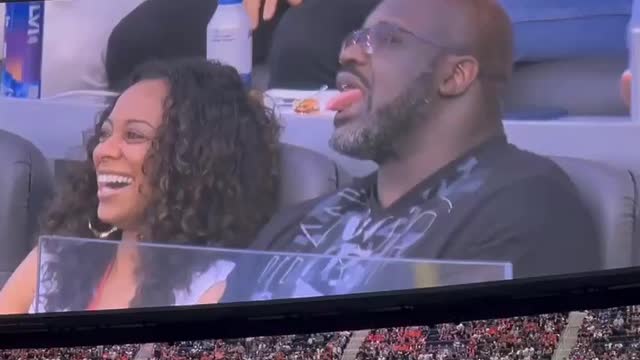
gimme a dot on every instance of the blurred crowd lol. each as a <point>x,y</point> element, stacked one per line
<point>520,338</point>
<point>292,347</point>
<point>115,352</point>
<point>612,334</point>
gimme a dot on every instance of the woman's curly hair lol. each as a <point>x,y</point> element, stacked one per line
<point>214,173</point>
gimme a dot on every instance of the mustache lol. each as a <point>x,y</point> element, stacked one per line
<point>351,69</point>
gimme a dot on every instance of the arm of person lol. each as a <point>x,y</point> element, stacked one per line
<point>625,87</point>
<point>213,294</point>
<point>218,275</point>
<point>269,9</point>
<point>18,293</point>
<point>538,225</point>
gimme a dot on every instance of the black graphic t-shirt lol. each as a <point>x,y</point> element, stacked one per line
<point>495,204</point>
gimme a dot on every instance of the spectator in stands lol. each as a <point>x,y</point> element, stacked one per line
<point>115,352</point>
<point>514,338</point>
<point>75,42</point>
<point>420,95</point>
<point>110,39</point>
<point>305,44</point>
<point>609,334</point>
<point>274,347</point>
<point>307,41</point>
<point>157,29</point>
<point>184,156</point>
<point>265,10</point>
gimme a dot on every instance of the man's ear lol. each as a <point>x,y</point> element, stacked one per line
<point>458,73</point>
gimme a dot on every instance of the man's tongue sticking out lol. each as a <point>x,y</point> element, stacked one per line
<point>345,99</point>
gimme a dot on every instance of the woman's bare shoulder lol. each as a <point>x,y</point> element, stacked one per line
<point>17,294</point>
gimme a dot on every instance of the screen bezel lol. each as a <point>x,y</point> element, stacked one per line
<point>429,306</point>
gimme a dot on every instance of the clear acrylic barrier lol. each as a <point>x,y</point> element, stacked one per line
<point>81,274</point>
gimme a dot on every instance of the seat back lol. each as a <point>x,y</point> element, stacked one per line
<point>26,186</point>
<point>306,174</point>
<point>611,196</point>
<point>577,87</point>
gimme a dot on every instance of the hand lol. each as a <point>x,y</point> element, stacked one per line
<point>625,88</point>
<point>253,9</point>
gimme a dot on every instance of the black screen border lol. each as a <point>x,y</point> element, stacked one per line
<point>596,290</point>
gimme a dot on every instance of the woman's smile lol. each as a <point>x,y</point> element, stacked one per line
<point>111,183</point>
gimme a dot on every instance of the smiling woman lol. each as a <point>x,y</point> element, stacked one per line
<point>183,157</point>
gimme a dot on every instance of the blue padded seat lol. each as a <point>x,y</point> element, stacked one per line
<point>560,29</point>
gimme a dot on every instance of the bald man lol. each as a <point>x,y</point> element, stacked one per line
<point>420,95</point>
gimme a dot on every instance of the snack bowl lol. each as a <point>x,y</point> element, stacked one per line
<point>300,102</point>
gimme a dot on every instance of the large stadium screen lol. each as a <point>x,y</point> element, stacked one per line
<point>143,166</point>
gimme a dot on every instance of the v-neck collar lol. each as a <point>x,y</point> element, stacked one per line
<point>370,182</point>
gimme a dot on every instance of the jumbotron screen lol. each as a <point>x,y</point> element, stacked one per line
<point>156,155</point>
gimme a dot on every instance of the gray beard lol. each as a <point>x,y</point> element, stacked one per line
<point>375,138</point>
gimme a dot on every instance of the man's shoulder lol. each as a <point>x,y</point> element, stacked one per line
<point>528,186</point>
<point>284,220</point>
<point>531,179</point>
<point>530,189</point>
<point>524,166</point>
<point>535,212</point>
<point>289,217</point>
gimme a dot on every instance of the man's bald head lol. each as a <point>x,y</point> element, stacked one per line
<point>418,69</point>
<point>489,37</point>
<point>479,28</point>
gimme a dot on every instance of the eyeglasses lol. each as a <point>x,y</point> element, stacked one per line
<point>384,34</point>
<point>381,35</point>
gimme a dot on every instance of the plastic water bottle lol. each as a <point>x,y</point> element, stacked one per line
<point>633,42</point>
<point>229,38</point>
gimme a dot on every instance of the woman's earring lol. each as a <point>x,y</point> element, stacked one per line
<point>102,235</point>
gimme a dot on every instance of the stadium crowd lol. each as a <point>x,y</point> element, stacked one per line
<point>292,347</point>
<point>116,352</point>
<point>609,334</point>
<point>612,334</point>
<point>515,338</point>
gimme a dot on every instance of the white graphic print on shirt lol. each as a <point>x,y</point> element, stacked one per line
<point>354,240</point>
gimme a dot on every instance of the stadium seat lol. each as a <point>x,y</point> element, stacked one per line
<point>612,196</point>
<point>576,68</point>
<point>306,174</point>
<point>260,77</point>
<point>26,185</point>
<point>567,87</point>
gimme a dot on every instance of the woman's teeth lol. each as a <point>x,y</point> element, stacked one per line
<point>114,179</point>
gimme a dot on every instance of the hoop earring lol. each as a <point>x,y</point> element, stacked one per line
<point>102,235</point>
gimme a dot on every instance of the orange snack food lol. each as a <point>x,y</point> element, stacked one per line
<point>307,106</point>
